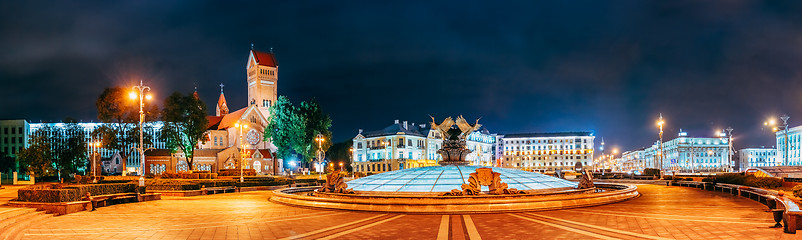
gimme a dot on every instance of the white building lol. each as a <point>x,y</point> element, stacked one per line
<point>405,145</point>
<point>547,151</point>
<point>682,154</point>
<point>758,157</point>
<point>13,136</point>
<point>792,149</point>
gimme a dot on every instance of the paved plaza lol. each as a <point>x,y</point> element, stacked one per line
<point>660,213</point>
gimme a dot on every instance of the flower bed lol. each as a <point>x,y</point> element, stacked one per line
<point>236,172</point>
<point>70,193</point>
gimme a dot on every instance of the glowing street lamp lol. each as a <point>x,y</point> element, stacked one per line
<point>320,153</point>
<point>660,123</point>
<point>784,127</point>
<point>242,149</point>
<point>139,92</point>
<point>95,146</point>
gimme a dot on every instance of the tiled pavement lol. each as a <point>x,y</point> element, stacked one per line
<point>660,213</point>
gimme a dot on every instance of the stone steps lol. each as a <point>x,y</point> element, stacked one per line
<point>14,222</point>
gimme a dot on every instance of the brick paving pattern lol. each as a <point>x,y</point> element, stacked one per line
<point>660,213</point>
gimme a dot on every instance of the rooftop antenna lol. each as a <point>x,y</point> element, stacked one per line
<point>196,86</point>
<point>271,49</point>
<point>251,46</point>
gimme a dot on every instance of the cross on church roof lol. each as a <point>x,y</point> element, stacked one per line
<point>221,87</point>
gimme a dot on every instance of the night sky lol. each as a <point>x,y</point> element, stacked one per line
<point>607,67</point>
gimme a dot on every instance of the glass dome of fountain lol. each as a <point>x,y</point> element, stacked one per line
<point>446,178</point>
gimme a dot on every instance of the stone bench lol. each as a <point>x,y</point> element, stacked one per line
<point>105,200</point>
<point>304,184</point>
<point>790,214</point>
<point>215,190</point>
<point>643,177</point>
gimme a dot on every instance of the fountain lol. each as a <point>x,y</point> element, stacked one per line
<point>455,186</point>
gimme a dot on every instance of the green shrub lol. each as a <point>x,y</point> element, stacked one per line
<point>707,179</point>
<point>175,187</point>
<point>170,174</point>
<point>651,172</point>
<point>763,182</point>
<point>667,177</point>
<point>731,178</point>
<point>748,180</point>
<point>236,172</point>
<point>797,191</point>
<point>70,193</point>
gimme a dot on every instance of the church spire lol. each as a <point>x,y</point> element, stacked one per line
<point>195,94</point>
<point>222,107</point>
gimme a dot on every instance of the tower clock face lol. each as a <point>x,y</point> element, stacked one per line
<point>253,137</point>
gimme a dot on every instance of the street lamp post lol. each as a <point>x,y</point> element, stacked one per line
<point>320,153</point>
<point>729,149</point>
<point>141,95</point>
<point>785,130</point>
<point>660,123</point>
<point>351,159</point>
<point>242,151</point>
<point>94,145</point>
<point>601,161</point>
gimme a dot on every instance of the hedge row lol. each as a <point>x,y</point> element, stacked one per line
<point>189,175</point>
<point>188,185</point>
<point>748,180</point>
<point>236,172</point>
<point>70,193</point>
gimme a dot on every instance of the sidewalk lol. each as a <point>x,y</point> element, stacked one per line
<point>9,192</point>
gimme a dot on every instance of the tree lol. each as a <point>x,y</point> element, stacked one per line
<point>69,147</point>
<point>37,157</point>
<point>7,162</point>
<point>293,130</point>
<point>121,115</point>
<point>285,127</point>
<point>185,124</point>
<point>315,122</point>
<point>341,152</point>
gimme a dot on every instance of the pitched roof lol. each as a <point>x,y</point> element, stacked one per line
<point>230,119</point>
<point>158,152</point>
<point>214,122</point>
<point>553,134</point>
<point>222,106</point>
<point>265,59</point>
<point>265,153</point>
<point>411,129</point>
<point>207,152</point>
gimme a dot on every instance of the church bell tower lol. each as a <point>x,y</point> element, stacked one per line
<point>262,71</point>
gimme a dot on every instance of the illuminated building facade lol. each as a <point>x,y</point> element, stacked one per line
<point>758,157</point>
<point>793,147</point>
<point>547,151</point>
<point>13,136</point>
<point>682,154</point>
<point>405,145</point>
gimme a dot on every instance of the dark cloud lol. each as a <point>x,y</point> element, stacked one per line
<point>609,67</point>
